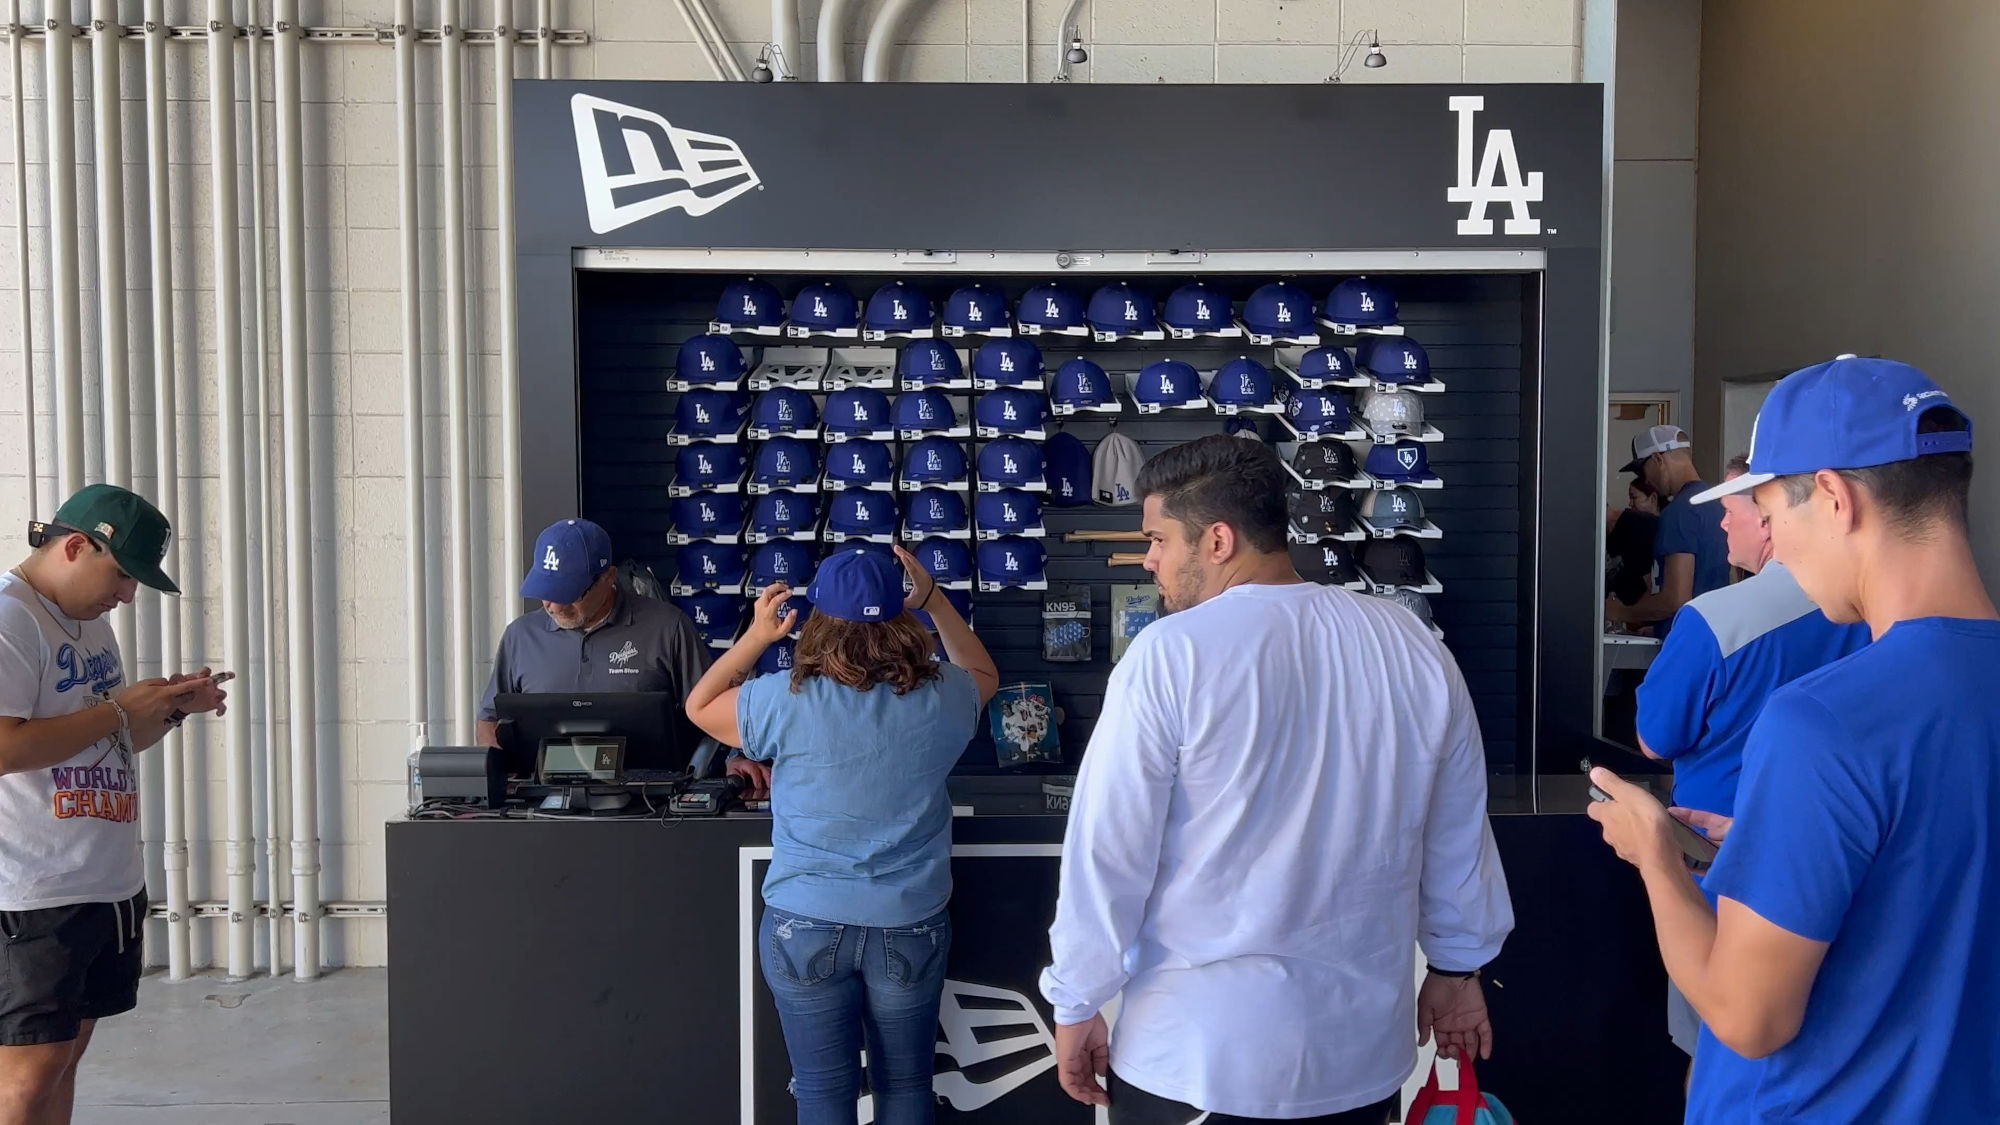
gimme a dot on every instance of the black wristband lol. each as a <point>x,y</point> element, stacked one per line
<point>1452,974</point>
<point>925,604</point>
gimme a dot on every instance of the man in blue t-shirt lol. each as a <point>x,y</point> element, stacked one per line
<point>1729,650</point>
<point>1689,546</point>
<point>1848,971</point>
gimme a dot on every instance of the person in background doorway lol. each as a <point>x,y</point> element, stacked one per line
<point>1628,543</point>
<point>1847,971</point>
<point>1692,554</point>
<point>72,890</point>
<point>861,735</point>
<point>1729,650</point>
<point>1284,798</point>
<point>589,636</point>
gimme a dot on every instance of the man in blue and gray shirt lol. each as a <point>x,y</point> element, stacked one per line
<point>1729,650</point>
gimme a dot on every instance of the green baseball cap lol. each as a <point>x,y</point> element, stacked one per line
<point>127,525</point>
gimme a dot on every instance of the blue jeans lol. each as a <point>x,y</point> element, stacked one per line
<point>839,988</point>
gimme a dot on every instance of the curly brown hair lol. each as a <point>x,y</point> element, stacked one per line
<point>861,654</point>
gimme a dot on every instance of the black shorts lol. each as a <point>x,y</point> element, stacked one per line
<point>1133,1106</point>
<point>67,964</point>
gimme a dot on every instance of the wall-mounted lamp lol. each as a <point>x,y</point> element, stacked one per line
<point>772,65</point>
<point>1375,58</point>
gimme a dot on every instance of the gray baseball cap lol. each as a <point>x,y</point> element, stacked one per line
<point>1114,469</point>
<point>1394,507</point>
<point>1411,600</point>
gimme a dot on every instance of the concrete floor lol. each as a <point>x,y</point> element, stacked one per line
<point>263,1052</point>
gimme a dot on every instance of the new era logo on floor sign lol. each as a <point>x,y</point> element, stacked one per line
<point>637,164</point>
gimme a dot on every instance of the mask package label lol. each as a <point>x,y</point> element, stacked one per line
<point>1132,609</point>
<point>1066,624</point>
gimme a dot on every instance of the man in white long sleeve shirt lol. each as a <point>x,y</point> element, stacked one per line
<point>1284,797</point>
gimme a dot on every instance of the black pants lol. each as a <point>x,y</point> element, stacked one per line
<point>65,964</point>
<point>1133,1106</point>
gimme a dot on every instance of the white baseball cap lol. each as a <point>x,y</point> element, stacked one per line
<point>1656,439</point>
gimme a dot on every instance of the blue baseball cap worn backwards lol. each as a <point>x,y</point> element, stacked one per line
<point>864,586</point>
<point>1848,413</point>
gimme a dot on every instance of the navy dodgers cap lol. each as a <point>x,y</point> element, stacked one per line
<point>569,556</point>
<point>1405,461</point>
<point>706,515</point>
<point>708,566</point>
<point>709,359</point>
<point>751,303</point>
<point>1329,364</point>
<point>934,461</point>
<point>861,464</point>
<point>923,412</point>
<point>1316,413</point>
<point>1394,562</point>
<point>929,363</point>
<point>947,560</point>
<point>934,511</point>
<point>1361,303</point>
<point>1067,465</point>
<point>1196,307</point>
<point>1279,309</point>
<point>1012,561</point>
<point>1167,384</point>
<point>1010,411</point>
<point>1050,308</point>
<point>708,464</point>
<point>1008,362</point>
<point>1324,461</point>
<point>784,513</point>
<point>973,309</point>
<point>1007,512</point>
<point>1243,383</point>
<point>709,414</point>
<point>785,462</point>
<point>857,410</point>
<point>897,307</point>
<point>1394,359</point>
<point>1328,562</point>
<point>1120,310</point>
<point>1010,461</point>
<point>717,617</point>
<point>1327,511</point>
<point>783,410</point>
<point>862,512</point>
<point>856,585</point>
<point>787,562</point>
<point>1082,385</point>
<point>778,658</point>
<point>826,308</point>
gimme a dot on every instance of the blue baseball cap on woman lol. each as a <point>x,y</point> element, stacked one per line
<point>864,586</point>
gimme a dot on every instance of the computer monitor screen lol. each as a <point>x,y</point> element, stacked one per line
<point>652,723</point>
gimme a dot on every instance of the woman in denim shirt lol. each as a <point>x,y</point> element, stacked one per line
<point>861,736</point>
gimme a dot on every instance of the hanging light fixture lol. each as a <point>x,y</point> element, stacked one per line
<point>1374,60</point>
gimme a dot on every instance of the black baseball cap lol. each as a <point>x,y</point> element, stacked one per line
<point>1394,562</point>
<point>1324,460</point>
<point>1331,562</point>
<point>123,523</point>
<point>1325,512</point>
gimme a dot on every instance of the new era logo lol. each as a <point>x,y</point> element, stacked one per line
<point>636,164</point>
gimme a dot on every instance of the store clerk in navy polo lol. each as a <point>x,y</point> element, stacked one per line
<point>589,636</point>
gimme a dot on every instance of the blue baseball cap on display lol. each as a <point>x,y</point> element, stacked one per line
<point>785,462</point>
<point>1847,413</point>
<point>717,617</point>
<point>861,512</point>
<point>975,309</point>
<point>1082,385</point>
<point>1329,364</point>
<point>1067,464</point>
<point>784,513</point>
<point>1243,383</point>
<point>929,363</point>
<point>708,566</point>
<point>934,511</point>
<point>826,308</point>
<point>1319,412</point>
<point>1279,309</point>
<point>1119,309</point>
<point>1405,461</point>
<point>1167,384</point>
<point>778,658</point>
<point>708,465</point>
<point>897,307</point>
<point>787,562</point>
<point>961,600</point>
<point>750,303</point>
<point>1010,411</point>
<point>947,560</point>
<point>860,464</point>
<point>854,585</point>
<point>857,410</point>
<point>1361,303</point>
<point>708,414</point>
<point>570,555</point>
<point>1006,362</point>
<point>1394,359</point>
<point>1195,307</point>
<point>706,515</point>
<point>1050,308</point>
<point>934,461</point>
<point>1010,461</point>
<point>783,410</point>
<point>1008,512</point>
<point>1012,561</point>
<point>923,412</point>
<point>709,359</point>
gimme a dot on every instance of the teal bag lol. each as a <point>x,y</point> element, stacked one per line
<point>1435,1105</point>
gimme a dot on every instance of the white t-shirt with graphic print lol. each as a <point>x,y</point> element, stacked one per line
<point>70,833</point>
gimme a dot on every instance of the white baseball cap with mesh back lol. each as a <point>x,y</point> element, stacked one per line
<point>1656,439</point>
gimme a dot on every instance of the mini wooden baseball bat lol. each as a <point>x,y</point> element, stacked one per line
<point>1104,537</point>
<point>1127,558</point>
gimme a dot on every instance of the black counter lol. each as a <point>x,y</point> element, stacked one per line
<point>575,970</point>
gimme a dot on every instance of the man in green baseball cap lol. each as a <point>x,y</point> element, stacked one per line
<point>72,889</point>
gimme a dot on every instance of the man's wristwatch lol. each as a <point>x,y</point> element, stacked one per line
<point>1452,974</point>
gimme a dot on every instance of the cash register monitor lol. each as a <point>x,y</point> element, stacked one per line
<point>652,723</point>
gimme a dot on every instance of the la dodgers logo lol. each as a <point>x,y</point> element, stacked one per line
<point>1499,178</point>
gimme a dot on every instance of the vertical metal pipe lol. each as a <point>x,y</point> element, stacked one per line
<point>166,439</point>
<point>545,39</point>
<point>241,853</point>
<point>65,315</point>
<point>300,662</point>
<point>711,32</point>
<point>262,502</point>
<point>510,288</point>
<point>416,542</point>
<point>785,38</point>
<point>23,282</point>
<point>452,157</point>
<point>107,109</point>
<point>833,40</point>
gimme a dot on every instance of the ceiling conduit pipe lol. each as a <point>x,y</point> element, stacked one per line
<point>708,49</point>
<point>458,409</point>
<point>545,39</point>
<point>114,365</point>
<point>1065,32</point>
<point>833,40</point>
<point>785,38</point>
<point>416,545</point>
<point>882,39</point>
<point>166,452</point>
<point>240,852</point>
<point>65,315</point>
<point>23,280</point>
<point>510,300</point>
<point>711,33</point>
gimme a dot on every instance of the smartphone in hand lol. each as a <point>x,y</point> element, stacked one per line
<point>1697,848</point>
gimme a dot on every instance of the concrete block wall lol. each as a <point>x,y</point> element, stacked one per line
<point>353,319</point>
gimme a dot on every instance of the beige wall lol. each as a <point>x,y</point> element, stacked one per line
<point>353,324</point>
<point>1850,199</point>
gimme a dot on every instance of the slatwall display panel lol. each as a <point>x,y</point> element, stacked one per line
<point>630,326</point>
